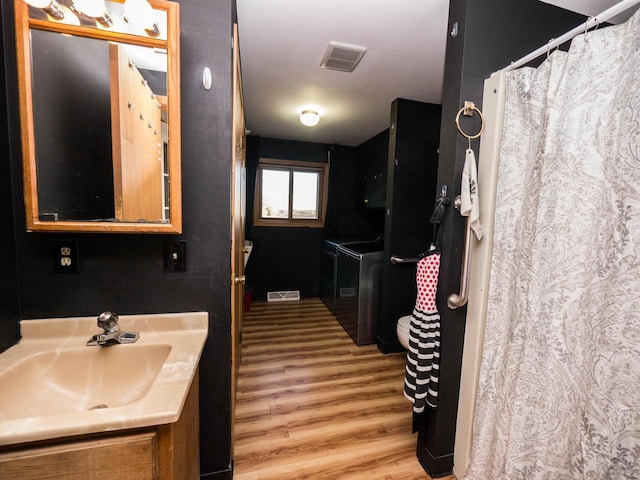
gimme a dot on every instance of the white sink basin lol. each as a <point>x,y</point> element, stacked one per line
<point>54,382</point>
<point>52,385</point>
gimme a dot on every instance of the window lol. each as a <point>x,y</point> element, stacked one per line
<point>290,193</point>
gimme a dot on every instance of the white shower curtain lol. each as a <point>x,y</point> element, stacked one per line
<point>559,387</point>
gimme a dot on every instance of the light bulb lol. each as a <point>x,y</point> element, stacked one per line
<point>91,8</point>
<point>50,7</point>
<point>94,9</point>
<point>309,118</point>
<point>39,3</point>
<point>140,12</point>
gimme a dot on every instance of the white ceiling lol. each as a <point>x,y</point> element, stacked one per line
<point>282,43</point>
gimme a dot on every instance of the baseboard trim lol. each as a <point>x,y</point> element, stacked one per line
<point>434,466</point>
<point>226,474</point>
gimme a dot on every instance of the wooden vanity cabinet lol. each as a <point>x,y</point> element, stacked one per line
<point>163,452</point>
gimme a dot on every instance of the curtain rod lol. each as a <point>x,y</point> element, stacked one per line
<point>591,22</point>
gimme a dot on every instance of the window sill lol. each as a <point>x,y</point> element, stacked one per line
<point>289,223</point>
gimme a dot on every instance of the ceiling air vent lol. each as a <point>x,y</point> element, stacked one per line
<point>342,56</point>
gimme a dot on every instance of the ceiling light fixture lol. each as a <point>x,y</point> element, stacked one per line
<point>50,7</point>
<point>309,118</point>
<point>140,12</point>
<point>94,9</point>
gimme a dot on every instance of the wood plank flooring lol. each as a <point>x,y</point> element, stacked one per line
<point>313,405</point>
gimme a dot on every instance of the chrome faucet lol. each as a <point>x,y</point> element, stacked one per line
<point>111,335</point>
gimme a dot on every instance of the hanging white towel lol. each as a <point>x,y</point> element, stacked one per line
<point>469,193</point>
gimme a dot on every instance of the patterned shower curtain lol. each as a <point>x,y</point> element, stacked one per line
<point>559,388</point>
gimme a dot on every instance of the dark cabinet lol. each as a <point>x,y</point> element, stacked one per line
<point>372,171</point>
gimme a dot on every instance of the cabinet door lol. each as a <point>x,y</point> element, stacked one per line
<point>372,171</point>
<point>128,457</point>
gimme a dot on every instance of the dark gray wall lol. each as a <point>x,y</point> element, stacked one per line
<point>412,164</point>
<point>492,33</point>
<point>9,314</point>
<point>125,272</point>
<point>283,258</point>
<point>287,258</point>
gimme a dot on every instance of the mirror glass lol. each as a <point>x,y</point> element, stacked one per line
<point>101,105</point>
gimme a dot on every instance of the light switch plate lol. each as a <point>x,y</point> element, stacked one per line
<point>175,256</point>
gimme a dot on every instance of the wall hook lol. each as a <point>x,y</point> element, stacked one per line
<point>206,78</point>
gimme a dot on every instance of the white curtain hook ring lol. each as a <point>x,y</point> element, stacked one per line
<point>549,46</point>
<point>586,28</point>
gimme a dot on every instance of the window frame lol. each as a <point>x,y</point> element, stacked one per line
<point>292,166</point>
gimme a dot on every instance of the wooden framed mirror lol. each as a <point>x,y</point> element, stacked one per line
<point>100,115</point>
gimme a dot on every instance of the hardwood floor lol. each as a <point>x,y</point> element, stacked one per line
<point>313,405</point>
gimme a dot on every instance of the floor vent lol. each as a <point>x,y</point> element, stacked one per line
<point>284,296</point>
<point>342,56</point>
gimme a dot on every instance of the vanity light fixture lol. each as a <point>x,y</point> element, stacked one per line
<point>309,118</point>
<point>140,12</point>
<point>94,9</point>
<point>50,7</point>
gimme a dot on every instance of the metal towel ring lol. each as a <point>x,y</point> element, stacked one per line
<point>457,300</point>
<point>467,110</point>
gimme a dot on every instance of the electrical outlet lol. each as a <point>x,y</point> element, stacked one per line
<point>175,256</point>
<point>66,258</point>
